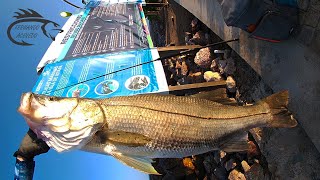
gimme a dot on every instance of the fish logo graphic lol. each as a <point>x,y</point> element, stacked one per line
<point>31,18</point>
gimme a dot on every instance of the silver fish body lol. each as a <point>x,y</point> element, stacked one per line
<point>138,128</point>
<point>178,126</point>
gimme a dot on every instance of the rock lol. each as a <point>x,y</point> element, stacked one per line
<point>220,172</point>
<point>195,77</point>
<point>211,76</point>
<point>257,135</point>
<point>236,175</point>
<point>231,84</point>
<point>199,38</point>
<point>253,150</point>
<point>222,155</point>
<point>245,166</point>
<point>209,163</point>
<point>216,157</point>
<point>215,67</point>
<point>203,58</point>
<point>195,25</point>
<point>230,67</point>
<point>255,172</point>
<point>230,164</point>
<point>187,38</point>
<point>187,162</point>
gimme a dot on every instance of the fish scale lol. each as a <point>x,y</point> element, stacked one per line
<point>178,134</point>
<point>187,105</point>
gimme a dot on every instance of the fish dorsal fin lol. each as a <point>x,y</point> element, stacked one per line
<point>140,163</point>
<point>123,138</point>
<point>218,95</point>
<point>236,143</point>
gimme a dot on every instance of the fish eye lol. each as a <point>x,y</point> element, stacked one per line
<point>51,98</point>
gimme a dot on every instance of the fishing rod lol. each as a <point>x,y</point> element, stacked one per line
<point>159,59</point>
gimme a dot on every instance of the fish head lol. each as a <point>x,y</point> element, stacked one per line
<point>59,114</point>
<point>39,108</point>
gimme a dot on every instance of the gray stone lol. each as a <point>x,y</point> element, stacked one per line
<point>230,164</point>
<point>315,4</point>
<point>311,18</point>
<point>315,44</point>
<point>220,172</point>
<point>303,4</point>
<point>306,35</point>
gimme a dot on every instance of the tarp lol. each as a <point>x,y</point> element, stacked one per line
<point>101,39</point>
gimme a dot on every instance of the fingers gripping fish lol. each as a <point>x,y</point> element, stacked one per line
<point>136,129</point>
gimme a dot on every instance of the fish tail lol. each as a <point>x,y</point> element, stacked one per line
<point>281,116</point>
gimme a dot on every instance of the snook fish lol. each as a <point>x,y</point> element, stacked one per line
<point>136,129</point>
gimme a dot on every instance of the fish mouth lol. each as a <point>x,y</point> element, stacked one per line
<point>27,107</point>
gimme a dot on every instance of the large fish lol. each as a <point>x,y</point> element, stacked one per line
<point>136,129</point>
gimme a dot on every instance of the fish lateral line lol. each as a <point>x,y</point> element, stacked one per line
<point>189,115</point>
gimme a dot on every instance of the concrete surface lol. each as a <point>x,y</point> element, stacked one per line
<point>293,64</point>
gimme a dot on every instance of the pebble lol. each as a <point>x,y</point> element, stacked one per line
<point>187,162</point>
<point>245,166</point>
<point>231,84</point>
<point>253,150</point>
<point>255,172</point>
<point>203,58</point>
<point>212,76</point>
<point>230,67</point>
<point>220,172</point>
<point>209,164</point>
<point>236,175</point>
<point>230,164</point>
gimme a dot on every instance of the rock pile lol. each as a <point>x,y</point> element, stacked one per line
<point>216,165</point>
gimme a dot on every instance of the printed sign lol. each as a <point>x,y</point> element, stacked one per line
<point>78,78</point>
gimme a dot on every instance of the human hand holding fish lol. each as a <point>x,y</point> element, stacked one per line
<point>137,129</point>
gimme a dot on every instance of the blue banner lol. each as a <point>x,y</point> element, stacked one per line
<point>64,78</point>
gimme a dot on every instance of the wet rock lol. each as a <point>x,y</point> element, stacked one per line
<point>245,166</point>
<point>211,76</point>
<point>230,164</point>
<point>236,175</point>
<point>203,58</point>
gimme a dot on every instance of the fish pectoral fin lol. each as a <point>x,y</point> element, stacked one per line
<point>139,163</point>
<point>126,138</point>
<point>236,143</point>
<point>218,95</point>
